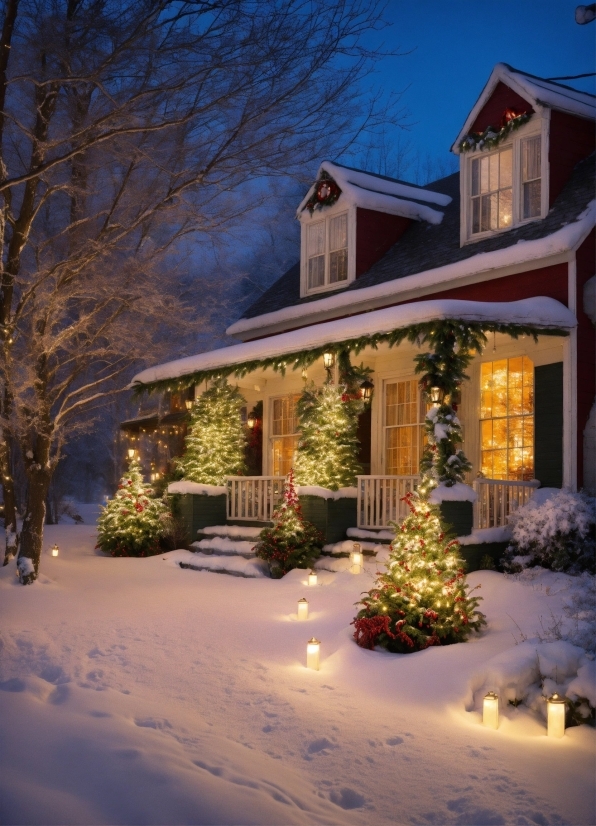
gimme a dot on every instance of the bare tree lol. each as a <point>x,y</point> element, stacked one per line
<point>126,125</point>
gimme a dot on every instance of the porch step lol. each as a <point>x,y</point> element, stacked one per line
<point>235,532</point>
<point>380,537</point>
<point>233,565</point>
<point>224,546</point>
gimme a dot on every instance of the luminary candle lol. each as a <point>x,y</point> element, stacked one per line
<point>55,550</point>
<point>312,578</point>
<point>356,559</point>
<point>490,710</point>
<point>313,647</point>
<point>555,716</point>
<point>302,609</point>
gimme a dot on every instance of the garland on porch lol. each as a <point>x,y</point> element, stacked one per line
<point>427,332</point>
<point>493,135</point>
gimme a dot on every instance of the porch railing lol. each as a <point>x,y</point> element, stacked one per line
<point>497,498</point>
<point>253,498</point>
<point>379,499</point>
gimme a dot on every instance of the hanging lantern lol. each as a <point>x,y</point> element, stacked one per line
<point>252,419</point>
<point>328,360</point>
<point>131,453</point>
<point>313,647</point>
<point>555,707</point>
<point>188,403</point>
<point>366,390</point>
<point>490,710</point>
<point>356,558</point>
<point>436,395</point>
<point>312,578</point>
<point>303,609</point>
<point>55,550</point>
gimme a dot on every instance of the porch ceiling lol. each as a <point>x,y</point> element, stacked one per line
<point>539,314</point>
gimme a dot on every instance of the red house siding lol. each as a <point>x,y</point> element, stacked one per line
<point>376,233</point>
<point>571,140</point>
<point>502,98</point>
<point>586,348</point>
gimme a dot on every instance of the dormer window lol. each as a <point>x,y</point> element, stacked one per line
<point>531,177</point>
<point>327,251</point>
<point>491,191</point>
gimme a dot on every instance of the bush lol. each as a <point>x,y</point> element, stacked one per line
<point>555,531</point>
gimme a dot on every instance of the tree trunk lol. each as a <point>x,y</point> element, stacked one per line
<point>10,509</point>
<point>33,523</point>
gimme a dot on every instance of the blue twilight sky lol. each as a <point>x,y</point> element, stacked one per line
<point>456,43</point>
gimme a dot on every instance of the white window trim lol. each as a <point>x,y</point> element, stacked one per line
<point>325,214</point>
<point>268,433</point>
<point>538,125</point>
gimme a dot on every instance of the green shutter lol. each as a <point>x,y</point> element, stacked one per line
<point>548,424</point>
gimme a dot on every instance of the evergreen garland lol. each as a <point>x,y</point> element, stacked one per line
<point>442,462</point>
<point>292,542</point>
<point>492,135</point>
<point>422,598</point>
<point>214,445</point>
<point>132,522</point>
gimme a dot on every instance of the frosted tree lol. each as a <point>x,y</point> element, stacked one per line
<point>133,521</point>
<point>124,128</point>
<point>215,444</point>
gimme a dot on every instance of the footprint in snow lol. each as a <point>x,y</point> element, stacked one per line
<point>394,741</point>
<point>347,798</point>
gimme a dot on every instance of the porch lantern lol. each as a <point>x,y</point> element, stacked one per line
<point>303,609</point>
<point>131,453</point>
<point>356,558</point>
<point>366,390</point>
<point>436,395</point>
<point>490,710</point>
<point>55,550</point>
<point>313,648</point>
<point>555,707</point>
<point>252,419</point>
<point>312,578</point>
<point>328,360</point>
<point>189,403</point>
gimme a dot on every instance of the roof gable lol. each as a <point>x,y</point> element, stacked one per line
<point>536,93</point>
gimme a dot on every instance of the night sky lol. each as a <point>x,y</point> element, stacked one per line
<point>456,44</point>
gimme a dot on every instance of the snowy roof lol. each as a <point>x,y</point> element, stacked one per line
<point>541,312</point>
<point>380,193</point>
<point>537,91</point>
<point>431,255</point>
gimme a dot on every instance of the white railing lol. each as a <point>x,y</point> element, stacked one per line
<point>253,498</point>
<point>380,499</point>
<point>497,498</point>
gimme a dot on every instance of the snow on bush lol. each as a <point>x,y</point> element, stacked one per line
<point>555,531</point>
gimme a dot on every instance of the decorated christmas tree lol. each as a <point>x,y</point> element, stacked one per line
<point>292,542</point>
<point>328,445</point>
<point>422,598</point>
<point>132,523</point>
<point>443,463</point>
<point>215,442</point>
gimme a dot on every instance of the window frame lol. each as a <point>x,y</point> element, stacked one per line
<point>326,214</point>
<point>538,126</point>
<point>271,436</point>
<point>397,379</point>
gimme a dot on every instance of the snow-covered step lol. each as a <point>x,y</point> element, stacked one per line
<point>233,565</point>
<point>233,531</point>
<point>381,536</point>
<point>224,546</point>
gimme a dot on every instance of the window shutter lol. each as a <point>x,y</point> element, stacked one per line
<point>548,424</point>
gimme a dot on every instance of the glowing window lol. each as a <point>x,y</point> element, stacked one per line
<point>327,252</point>
<point>284,434</point>
<point>404,430</point>
<point>507,419</point>
<point>492,193</point>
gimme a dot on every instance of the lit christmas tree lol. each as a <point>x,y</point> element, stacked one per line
<point>422,598</point>
<point>292,542</point>
<point>214,446</point>
<point>132,523</point>
<point>328,445</point>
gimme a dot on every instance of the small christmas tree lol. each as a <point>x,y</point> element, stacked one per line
<point>422,598</point>
<point>292,542</point>
<point>328,445</point>
<point>215,442</point>
<point>132,523</point>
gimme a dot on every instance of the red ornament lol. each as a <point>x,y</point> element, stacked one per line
<point>510,114</point>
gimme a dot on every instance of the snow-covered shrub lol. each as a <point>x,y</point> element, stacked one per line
<point>555,531</point>
<point>580,610</point>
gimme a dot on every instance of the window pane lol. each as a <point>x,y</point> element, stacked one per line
<point>316,239</point>
<point>493,175</point>
<point>476,177</point>
<point>316,271</point>
<point>338,266</point>
<point>531,199</point>
<point>403,432</point>
<point>338,232</point>
<point>531,159</point>
<point>506,165</point>
<point>484,175</point>
<point>505,208</point>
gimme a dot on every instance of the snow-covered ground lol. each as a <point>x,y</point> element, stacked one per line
<point>134,692</point>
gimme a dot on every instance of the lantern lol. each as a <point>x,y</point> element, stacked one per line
<point>366,390</point>
<point>328,360</point>
<point>312,578</point>
<point>313,647</point>
<point>303,609</point>
<point>436,395</point>
<point>189,404</point>
<point>490,710</point>
<point>131,453</point>
<point>55,550</point>
<point>252,419</point>
<point>555,706</point>
<point>356,558</point>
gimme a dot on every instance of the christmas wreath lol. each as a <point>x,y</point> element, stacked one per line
<point>326,193</point>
